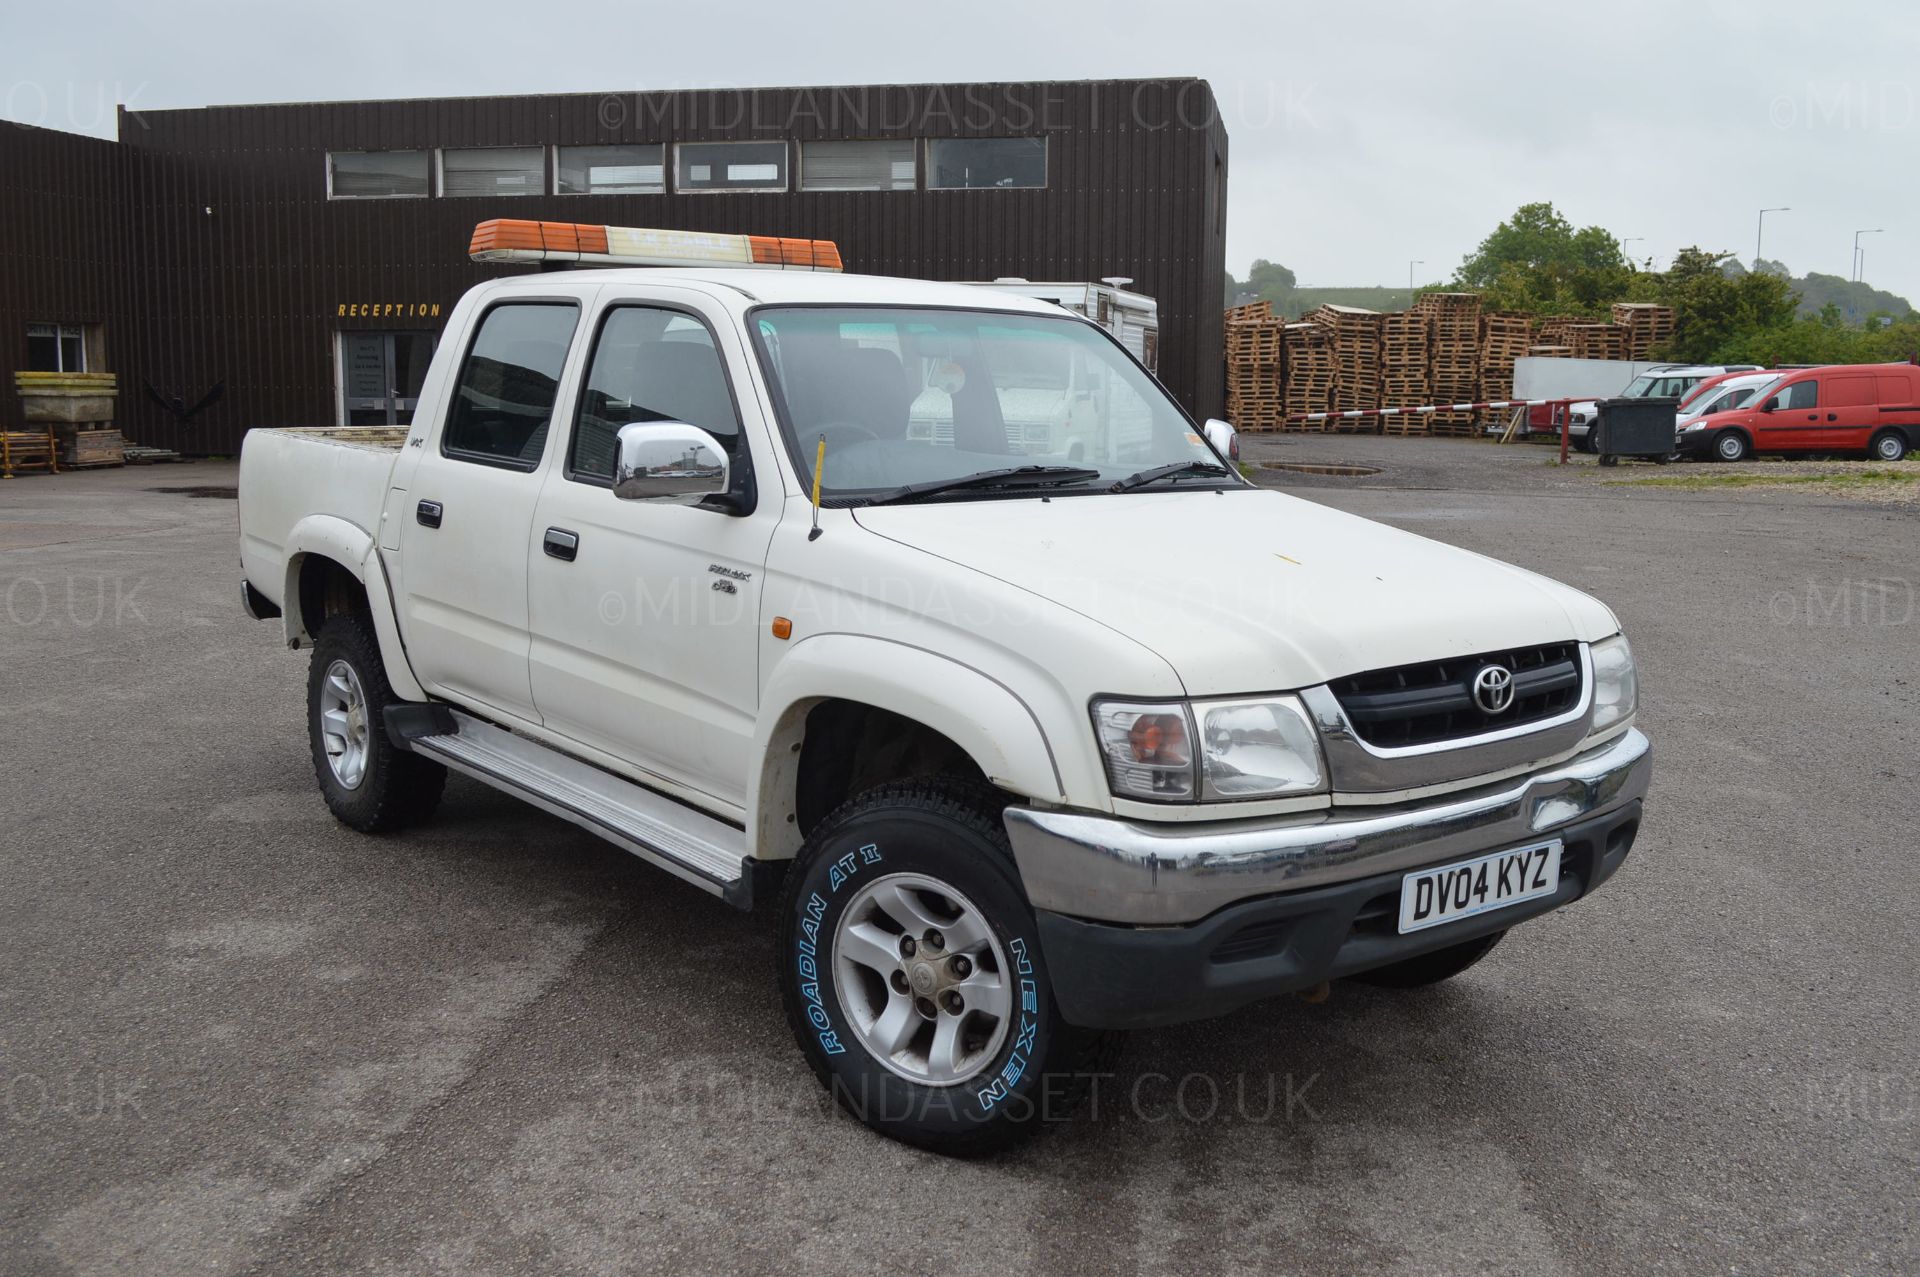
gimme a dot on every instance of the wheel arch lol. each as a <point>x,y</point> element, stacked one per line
<point>830,681</point>
<point>1746,437</point>
<point>334,566</point>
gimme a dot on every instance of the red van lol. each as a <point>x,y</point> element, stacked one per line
<point>1870,408</point>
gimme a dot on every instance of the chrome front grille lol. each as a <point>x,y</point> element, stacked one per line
<point>1433,702</point>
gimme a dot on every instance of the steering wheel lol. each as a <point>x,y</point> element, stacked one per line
<point>832,428</point>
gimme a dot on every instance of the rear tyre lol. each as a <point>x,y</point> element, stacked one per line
<point>1888,445</point>
<point>912,976</point>
<point>1431,968</point>
<point>368,783</point>
<point>1730,445</point>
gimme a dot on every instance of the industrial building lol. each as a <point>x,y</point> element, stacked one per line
<point>288,265</point>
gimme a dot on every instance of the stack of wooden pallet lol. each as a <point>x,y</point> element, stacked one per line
<point>1254,368</point>
<point>1648,326</point>
<point>1453,339</point>
<point>1404,356</point>
<point>1356,354</point>
<point>1310,371</point>
<point>1504,337</point>
<point>1598,341</point>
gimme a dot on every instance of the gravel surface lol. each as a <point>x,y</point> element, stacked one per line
<point>236,1037</point>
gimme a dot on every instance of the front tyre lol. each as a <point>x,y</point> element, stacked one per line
<point>1730,445</point>
<point>368,782</point>
<point>912,977</point>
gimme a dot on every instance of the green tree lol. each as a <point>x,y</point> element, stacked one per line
<point>1713,310</point>
<point>1271,282</point>
<point>1536,261</point>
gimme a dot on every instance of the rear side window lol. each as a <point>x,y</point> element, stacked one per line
<point>1801,394</point>
<point>650,365</point>
<point>1849,392</point>
<point>503,401</point>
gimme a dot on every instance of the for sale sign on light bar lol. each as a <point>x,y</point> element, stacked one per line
<point>510,240</point>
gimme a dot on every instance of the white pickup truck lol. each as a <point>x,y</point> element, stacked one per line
<point>1022,750</point>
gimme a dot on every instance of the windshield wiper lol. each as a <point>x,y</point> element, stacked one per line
<point>1011,477</point>
<point>1144,477</point>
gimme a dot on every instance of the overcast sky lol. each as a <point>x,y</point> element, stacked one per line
<point>1362,134</point>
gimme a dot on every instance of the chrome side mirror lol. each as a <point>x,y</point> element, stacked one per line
<point>668,460</point>
<point>1223,436</point>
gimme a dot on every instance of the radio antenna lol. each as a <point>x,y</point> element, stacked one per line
<point>819,464</point>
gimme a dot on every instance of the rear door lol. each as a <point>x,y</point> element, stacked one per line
<point>1849,410</point>
<point>466,515</point>
<point>1793,425</point>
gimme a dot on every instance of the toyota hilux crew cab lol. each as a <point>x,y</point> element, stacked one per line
<point>1020,749</point>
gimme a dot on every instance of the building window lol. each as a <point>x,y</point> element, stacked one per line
<point>857,166</point>
<point>376,175</point>
<point>503,402</point>
<point>494,170</point>
<point>612,170</point>
<point>730,166</point>
<point>56,348</point>
<point>966,163</point>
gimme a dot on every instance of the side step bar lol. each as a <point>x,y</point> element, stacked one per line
<point>689,844</point>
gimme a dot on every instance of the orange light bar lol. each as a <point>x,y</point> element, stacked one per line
<point>511,240</point>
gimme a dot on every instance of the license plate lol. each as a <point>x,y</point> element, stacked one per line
<point>1485,883</point>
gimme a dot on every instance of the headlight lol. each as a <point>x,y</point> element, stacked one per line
<point>1695,425</point>
<point>1616,689</point>
<point>1243,749</point>
<point>1257,749</point>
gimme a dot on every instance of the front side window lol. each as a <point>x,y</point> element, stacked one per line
<point>611,170</point>
<point>650,365</point>
<point>857,166</point>
<point>503,401</point>
<point>1801,394</point>
<point>494,171</point>
<point>905,396</point>
<point>957,163</point>
<point>375,175</point>
<point>730,166</point>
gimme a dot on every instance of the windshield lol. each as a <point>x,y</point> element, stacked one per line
<point>1659,386</point>
<point>911,397</point>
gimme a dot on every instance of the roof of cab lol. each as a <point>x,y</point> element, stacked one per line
<point>792,287</point>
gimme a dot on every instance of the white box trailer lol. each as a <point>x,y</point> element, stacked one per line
<point>1133,318</point>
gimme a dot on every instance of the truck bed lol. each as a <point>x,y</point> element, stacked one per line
<point>291,474</point>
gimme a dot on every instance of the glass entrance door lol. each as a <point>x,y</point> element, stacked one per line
<point>381,375</point>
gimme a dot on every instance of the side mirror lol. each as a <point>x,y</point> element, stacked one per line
<point>1770,404</point>
<point>668,460</point>
<point>1224,437</point>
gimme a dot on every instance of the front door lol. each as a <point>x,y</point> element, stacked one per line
<point>645,637</point>
<point>381,375</point>
<point>1793,425</point>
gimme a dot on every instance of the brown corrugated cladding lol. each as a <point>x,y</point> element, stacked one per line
<point>237,265</point>
<point>60,197</point>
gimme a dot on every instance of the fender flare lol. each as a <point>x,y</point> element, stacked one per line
<point>975,711</point>
<point>352,547</point>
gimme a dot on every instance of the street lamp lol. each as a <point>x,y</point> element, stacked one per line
<point>1410,266</point>
<point>1631,239</point>
<point>1859,259</point>
<point>1762,230</point>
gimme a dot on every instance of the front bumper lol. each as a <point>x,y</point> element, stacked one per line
<point>1154,924</point>
<point>1698,443</point>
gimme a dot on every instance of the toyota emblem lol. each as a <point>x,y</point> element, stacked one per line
<point>1493,689</point>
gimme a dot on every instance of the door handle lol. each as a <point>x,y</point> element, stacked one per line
<point>560,544</point>
<point>1833,416</point>
<point>428,514</point>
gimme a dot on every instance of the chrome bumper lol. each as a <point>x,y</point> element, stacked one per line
<point>1114,870</point>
